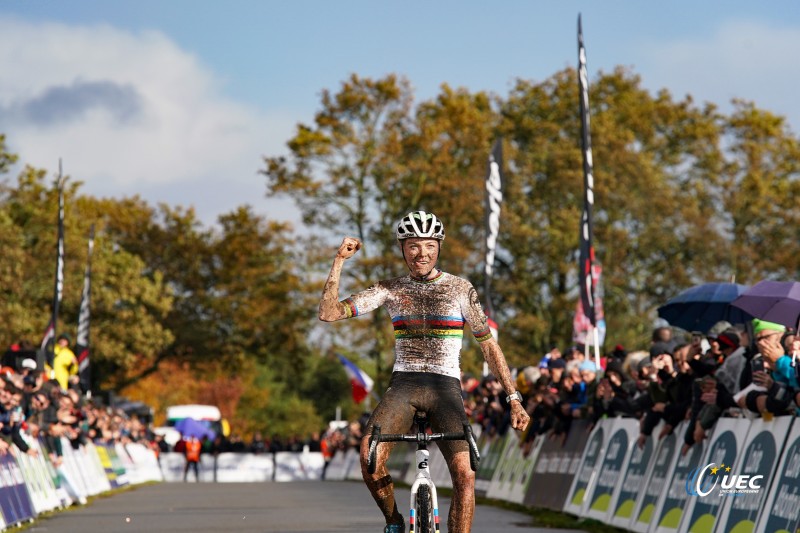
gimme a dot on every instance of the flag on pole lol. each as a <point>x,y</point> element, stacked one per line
<point>359,380</point>
<point>48,342</point>
<point>586,260</point>
<point>582,328</point>
<point>82,346</point>
<point>494,200</point>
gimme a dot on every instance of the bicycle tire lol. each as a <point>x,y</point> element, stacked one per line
<point>424,509</point>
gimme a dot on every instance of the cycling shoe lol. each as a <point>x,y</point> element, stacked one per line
<point>394,528</point>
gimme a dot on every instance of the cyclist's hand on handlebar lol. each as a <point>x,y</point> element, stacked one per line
<point>519,417</point>
<point>349,247</point>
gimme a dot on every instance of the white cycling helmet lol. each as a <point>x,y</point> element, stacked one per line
<point>420,224</point>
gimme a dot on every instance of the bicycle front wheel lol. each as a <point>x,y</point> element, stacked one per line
<point>424,510</point>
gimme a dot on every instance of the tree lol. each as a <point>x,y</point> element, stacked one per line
<point>653,159</point>
<point>756,196</point>
<point>126,307</point>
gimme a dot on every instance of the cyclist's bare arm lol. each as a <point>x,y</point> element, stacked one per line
<point>497,364</point>
<point>330,309</point>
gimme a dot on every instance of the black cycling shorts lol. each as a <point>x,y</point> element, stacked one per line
<point>435,394</point>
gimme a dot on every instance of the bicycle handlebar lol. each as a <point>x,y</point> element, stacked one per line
<point>376,437</point>
<point>421,437</point>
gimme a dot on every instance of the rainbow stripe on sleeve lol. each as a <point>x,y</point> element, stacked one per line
<point>433,326</point>
<point>350,307</point>
<point>483,336</point>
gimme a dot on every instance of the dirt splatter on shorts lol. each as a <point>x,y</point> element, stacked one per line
<point>435,394</point>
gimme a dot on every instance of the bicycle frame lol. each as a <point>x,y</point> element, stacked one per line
<point>423,478</point>
<point>423,487</point>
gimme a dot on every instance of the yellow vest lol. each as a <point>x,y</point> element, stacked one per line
<point>65,364</point>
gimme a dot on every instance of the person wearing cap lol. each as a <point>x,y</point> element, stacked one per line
<point>556,368</point>
<point>65,364</point>
<point>781,384</point>
<point>732,361</point>
<point>588,372</point>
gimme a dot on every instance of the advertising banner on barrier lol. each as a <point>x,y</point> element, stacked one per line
<point>354,465</point>
<point>702,507</point>
<point>491,453</point>
<point>105,460</point>
<point>621,441</point>
<point>440,472</point>
<point>556,466</point>
<point>173,464</point>
<point>670,509</point>
<point>144,461</point>
<point>91,463</point>
<point>647,502</point>
<point>752,475</point>
<point>341,464</point>
<point>499,486</point>
<point>118,466</point>
<point>510,482</point>
<point>294,466</point>
<point>780,512</point>
<point>14,498</point>
<point>399,461</point>
<point>523,479</point>
<point>38,479</point>
<point>7,507</point>
<point>586,476</point>
<point>633,480</point>
<point>244,467</point>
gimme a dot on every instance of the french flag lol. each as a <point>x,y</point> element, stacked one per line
<point>359,380</point>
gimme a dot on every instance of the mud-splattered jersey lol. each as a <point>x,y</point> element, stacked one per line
<point>428,319</point>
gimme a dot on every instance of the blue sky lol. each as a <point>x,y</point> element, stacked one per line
<point>178,100</point>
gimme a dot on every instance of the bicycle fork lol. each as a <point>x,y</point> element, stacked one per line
<point>423,478</point>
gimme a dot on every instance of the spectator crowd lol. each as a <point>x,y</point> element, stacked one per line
<point>48,404</point>
<point>744,370</point>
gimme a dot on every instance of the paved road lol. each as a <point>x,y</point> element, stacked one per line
<point>306,507</point>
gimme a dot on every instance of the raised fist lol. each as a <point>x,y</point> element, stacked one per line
<point>349,247</point>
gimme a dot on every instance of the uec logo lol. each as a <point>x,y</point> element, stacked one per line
<point>701,481</point>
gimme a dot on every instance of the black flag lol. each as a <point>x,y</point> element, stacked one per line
<point>586,261</point>
<point>48,342</point>
<point>82,346</point>
<point>494,200</point>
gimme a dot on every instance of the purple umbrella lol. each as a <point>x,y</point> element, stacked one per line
<point>774,301</point>
<point>189,427</point>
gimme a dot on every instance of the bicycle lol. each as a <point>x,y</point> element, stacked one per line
<point>424,501</point>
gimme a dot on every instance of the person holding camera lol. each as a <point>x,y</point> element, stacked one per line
<point>774,373</point>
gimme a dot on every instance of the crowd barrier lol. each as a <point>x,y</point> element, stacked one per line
<point>245,467</point>
<point>744,477</point>
<point>603,474</point>
<point>31,484</point>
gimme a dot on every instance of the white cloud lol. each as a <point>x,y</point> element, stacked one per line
<point>133,113</point>
<point>741,59</point>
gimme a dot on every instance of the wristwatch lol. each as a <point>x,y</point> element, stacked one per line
<point>514,396</point>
